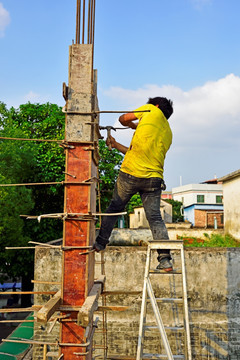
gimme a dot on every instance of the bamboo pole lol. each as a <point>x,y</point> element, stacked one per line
<point>19,247</point>
<point>44,352</point>
<point>46,282</point>
<point>16,321</point>
<point>31,342</point>
<point>16,310</point>
<point>28,292</point>
<point>45,244</point>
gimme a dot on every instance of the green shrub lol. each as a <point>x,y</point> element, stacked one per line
<point>214,240</point>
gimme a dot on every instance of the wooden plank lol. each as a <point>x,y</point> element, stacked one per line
<point>49,308</point>
<point>85,314</point>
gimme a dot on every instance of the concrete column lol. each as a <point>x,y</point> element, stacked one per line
<point>80,197</point>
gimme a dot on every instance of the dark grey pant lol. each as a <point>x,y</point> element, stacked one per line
<point>150,192</point>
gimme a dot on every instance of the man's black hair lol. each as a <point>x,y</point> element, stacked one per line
<point>166,105</point>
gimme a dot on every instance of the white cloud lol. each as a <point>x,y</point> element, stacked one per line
<point>4,19</point>
<point>207,116</point>
<point>32,97</point>
<point>198,4</point>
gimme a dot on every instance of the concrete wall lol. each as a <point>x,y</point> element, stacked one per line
<point>231,193</point>
<point>48,267</point>
<point>213,289</point>
<point>214,302</point>
<point>142,236</point>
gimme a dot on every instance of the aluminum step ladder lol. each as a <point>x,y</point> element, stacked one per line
<point>148,295</point>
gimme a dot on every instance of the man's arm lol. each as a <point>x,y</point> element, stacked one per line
<point>110,140</point>
<point>127,120</point>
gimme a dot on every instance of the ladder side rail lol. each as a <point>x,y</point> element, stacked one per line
<point>143,307</point>
<point>185,307</point>
<point>159,320</point>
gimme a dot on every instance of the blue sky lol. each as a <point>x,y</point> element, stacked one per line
<point>187,50</point>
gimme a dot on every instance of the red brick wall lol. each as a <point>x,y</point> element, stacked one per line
<point>203,218</point>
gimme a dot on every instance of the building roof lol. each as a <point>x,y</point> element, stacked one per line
<point>198,206</point>
<point>211,181</point>
<point>230,176</point>
<point>197,188</point>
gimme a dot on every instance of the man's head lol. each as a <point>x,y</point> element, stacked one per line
<point>163,104</point>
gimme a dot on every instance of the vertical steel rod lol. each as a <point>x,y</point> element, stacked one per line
<point>88,27</point>
<point>93,30</point>
<point>83,22</point>
<point>91,21</point>
<point>77,23</point>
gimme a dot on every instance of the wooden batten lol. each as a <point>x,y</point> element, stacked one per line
<point>49,308</point>
<point>85,314</point>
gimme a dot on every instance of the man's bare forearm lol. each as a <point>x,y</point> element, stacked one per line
<point>127,120</point>
<point>123,149</point>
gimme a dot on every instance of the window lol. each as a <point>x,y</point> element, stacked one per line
<point>219,199</point>
<point>200,198</point>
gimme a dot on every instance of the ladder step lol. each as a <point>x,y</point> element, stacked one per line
<point>155,271</point>
<point>165,244</point>
<point>169,300</point>
<point>180,299</point>
<point>173,328</point>
<point>160,356</point>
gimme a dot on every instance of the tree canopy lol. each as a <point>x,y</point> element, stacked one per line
<point>108,168</point>
<point>37,162</point>
<point>27,162</point>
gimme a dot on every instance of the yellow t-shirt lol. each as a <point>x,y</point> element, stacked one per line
<point>150,142</point>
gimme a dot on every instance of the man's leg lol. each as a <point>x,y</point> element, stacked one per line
<point>124,188</point>
<point>151,197</point>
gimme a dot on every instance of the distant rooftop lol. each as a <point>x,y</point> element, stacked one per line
<point>212,181</point>
<point>230,176</point>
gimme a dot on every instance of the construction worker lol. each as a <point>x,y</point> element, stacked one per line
<point>142,171</point>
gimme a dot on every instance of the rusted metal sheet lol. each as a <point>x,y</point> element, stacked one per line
<point>78,270</point>
<point>78,276</point>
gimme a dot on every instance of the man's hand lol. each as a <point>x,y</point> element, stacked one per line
<point>114,144</point>
<point>111,141</point>
<point>133,125</point>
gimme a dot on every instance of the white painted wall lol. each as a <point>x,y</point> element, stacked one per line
<point>187,194</point>
<point>138,218</point>
<point>231,200</point>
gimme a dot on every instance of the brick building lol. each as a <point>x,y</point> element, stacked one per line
<point>202,203</point>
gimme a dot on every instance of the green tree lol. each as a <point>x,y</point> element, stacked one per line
<point>176,210</point>
<point>43,121</point>
<point>109,165</point>
<point>25,162</point>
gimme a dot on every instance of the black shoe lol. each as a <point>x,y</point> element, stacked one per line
<point>165,264</point>
<point>98,247</point>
